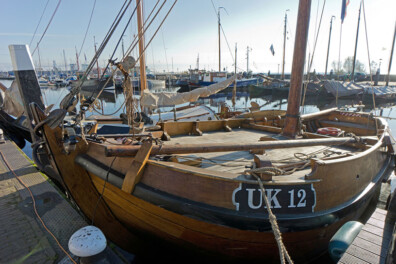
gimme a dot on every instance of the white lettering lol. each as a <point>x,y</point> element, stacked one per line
<point>250,198</point>
<point>301,194</point>
<point>291,205</point>
<point>273,198</point>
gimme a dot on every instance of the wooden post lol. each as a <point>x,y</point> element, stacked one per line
<point>300,47</point>
<point>142,62</point>
<point>391,56</point>
<point>135,171</point>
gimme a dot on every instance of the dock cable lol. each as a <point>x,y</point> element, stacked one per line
<point>34,207</point>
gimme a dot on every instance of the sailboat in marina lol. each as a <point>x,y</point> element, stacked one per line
<point>262,186</point>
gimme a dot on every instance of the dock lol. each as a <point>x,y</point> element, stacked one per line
<point>373,242</point>
<point>22,235</point>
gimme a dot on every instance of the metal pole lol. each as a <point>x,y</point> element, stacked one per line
<point>97,61</point>
<point>391,56</point>
<point>284,48</point>
<point>356,42</point>
<point>218,19</point>
<point>328,46</point>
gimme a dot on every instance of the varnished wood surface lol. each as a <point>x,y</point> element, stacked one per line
<point>124,217</point>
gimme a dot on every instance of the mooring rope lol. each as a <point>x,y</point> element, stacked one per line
<point>35,208</point>
<point>283,254</point>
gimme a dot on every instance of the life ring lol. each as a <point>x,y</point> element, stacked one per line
<point>329,131</point>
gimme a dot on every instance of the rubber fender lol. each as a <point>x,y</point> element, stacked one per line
<point>343,238</point>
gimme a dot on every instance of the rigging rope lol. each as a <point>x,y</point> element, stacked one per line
<point>133,45</point>
<point>49,23</point>
<point>112,56</point>
<point>86,32</point>
<point>103,45</point>
<point>313,54</point>
<point>371,75</point>
<point>221,27</point>
<point>35,31</point>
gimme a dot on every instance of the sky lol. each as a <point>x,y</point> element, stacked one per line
<point>191,31</point>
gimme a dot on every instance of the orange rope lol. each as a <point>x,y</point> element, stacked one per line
<point>34,207</point>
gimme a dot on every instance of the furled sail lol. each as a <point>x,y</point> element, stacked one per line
<point>152,101</point>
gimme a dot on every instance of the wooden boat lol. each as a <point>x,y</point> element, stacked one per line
<point>195,194</point>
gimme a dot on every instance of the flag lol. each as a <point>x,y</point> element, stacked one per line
<point>85,57</point>
<point>272,50</point>
<point>345,3</point>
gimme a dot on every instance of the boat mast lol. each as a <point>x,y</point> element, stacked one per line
<point>284,47</point>
<point>38,52</point>
<point>391,56</point>
<point>143,82</point>
<point>300,47</point>
<point>356,42</point>
<point>247,59</point>
<point>64,58</point>
<point>97,61</point>
<point>235,82</point>
<point>328,46</point>
<point>78,65</point>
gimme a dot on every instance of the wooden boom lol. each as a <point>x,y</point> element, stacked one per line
<point>124,151</point>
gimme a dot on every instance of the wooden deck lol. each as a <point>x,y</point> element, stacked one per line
<point>373,241</point>
<point>237,161</point>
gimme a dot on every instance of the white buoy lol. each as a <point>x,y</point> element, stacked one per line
<point>87,241</point>
<point>1,136</point>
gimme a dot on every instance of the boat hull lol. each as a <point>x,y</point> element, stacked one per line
<point>160,209</point>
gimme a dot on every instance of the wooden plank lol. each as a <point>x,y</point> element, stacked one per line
<point>366,245</point>
<point>381,211</point>
<point>374,238</point>
<point>350,259</point>
<point>131,150</point>
<point>378,216</point>
<point>376,222</point>
<point>377,231</point>
<point>135,171</point>
<point>363,255</point>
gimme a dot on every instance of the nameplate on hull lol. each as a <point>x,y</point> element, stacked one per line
<point>284,199</point>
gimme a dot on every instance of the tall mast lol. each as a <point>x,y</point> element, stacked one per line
<point>78,65</point>
<point>143,82</point>
<point>247,59</point>
<point>235,82</point>
<point>391,56</point>
<point>356,42</point>
<point>64,58</point>
<point>328,46</point>
<point>38,52</point>
<point>218,25</point>
<point>97,61</point>
<point>284,47</point>
<point>300,46</point>
<point>198,62</point>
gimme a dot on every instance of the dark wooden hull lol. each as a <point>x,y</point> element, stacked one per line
<point>191,209</point>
